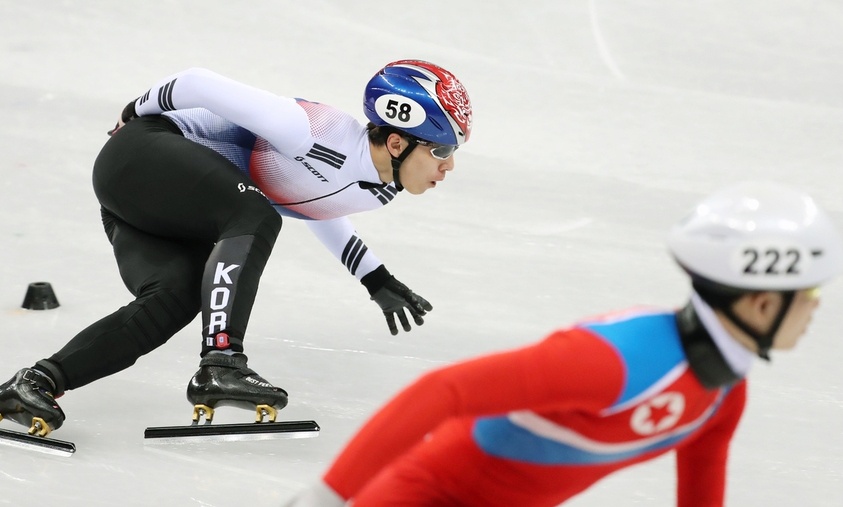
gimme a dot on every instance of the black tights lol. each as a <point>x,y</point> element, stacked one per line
<point>188,237</point>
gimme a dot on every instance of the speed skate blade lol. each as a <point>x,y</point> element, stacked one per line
<point>231,432</point>
<point>34,443</point>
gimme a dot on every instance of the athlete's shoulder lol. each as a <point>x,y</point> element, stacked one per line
<point>641,335</point>
<point>328,115</point>
<point>333,128</point>
<point>636,335</point>
<point>628,324</point>
<point>626,314</point>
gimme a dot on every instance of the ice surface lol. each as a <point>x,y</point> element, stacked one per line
<point>597,125</point>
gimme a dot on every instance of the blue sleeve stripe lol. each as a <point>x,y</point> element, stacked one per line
<point>504,438</point>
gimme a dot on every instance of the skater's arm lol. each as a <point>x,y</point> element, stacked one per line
<point>395,299</point>
<point>340,238</point>
<point>701,463</point>
<point>567,371</point>
<point>279,120</point>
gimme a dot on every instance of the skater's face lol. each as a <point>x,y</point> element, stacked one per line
<point>761,309</point>
<point>422,171</point>
<point>425,168</point>
<point>795,323</point>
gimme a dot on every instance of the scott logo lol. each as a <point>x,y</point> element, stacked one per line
<point>311,169</point>
<point>242,187</point>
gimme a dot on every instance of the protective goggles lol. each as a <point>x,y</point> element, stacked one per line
<point>439,151</point>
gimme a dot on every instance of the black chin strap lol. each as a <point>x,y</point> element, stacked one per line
<point>396,164</point>
<point>764,340</point>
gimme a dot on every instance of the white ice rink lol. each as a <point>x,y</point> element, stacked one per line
<point>597,125</point>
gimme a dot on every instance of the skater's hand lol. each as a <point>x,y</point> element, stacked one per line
<point>126,116</point>
<point>318,495</point>
<point>394,297</point>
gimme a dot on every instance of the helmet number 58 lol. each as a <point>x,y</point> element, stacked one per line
<point>772,261</point>
<point>401,111</point>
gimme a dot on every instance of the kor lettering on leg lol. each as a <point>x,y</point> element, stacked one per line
<point>220,297</point>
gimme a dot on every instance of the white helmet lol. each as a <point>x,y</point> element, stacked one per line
<point>758,236</point>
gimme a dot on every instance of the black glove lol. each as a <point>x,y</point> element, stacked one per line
<point>126,116</point>
<point>393,297</point>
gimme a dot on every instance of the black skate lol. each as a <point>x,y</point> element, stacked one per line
<point>28,399</point>
<point>224,380</point>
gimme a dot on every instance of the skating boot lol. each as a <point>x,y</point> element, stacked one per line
<point>224,380</point>
<point>28,399</point>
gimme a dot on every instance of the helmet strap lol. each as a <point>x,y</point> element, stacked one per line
<point>396,163</point>
<point>763,340</point>
<point>704,357</point>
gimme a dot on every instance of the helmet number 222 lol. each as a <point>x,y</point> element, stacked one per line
<point>772,261</point>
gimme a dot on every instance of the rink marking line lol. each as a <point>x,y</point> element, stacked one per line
<point>602,47</point>
<point>12,477</point>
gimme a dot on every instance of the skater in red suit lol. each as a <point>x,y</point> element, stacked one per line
<point>193,185</point>
<point>534,427</point>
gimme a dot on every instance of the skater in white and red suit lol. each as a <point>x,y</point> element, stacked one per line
<point>193,184</point>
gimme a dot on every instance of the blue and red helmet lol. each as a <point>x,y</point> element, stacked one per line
<point>420,99</point>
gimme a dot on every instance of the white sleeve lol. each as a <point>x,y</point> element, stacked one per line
<point>338,236</point>
<point>277,119</point>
